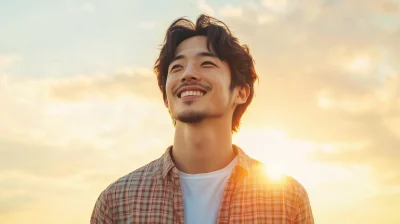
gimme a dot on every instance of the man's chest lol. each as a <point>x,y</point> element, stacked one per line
<point>249,204</point>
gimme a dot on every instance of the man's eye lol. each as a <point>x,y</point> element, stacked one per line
<point>208,63</point>
<point>176,67</point>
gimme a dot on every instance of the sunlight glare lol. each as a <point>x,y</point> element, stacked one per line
<point>280,154</point>
<point>324,102</point>
<point>275,171</point>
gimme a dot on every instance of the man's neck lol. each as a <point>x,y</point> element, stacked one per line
<point>202,147</point>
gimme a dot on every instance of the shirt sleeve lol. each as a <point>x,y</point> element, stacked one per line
<point>101,213</point>
<point>304,213</point>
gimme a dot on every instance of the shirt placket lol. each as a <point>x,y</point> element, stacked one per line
<point>232,186</point>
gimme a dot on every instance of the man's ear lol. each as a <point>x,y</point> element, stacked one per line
<point>243,94</point>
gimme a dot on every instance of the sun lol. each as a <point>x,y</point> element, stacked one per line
<point>274,171</point>
<point>281,155</point>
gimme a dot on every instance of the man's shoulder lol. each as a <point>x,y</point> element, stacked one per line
<point>142,176</point>
<point>283,192</point>
<point>294,187</point>
<point>291,186</point>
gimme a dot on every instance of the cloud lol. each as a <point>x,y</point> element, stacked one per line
<point>86,7</point>
<point>206,8</point>
<point>385,204</point>
<point>279,6</point>
<point>3,81</point>
<point>381,99</point>
<point>53,129</point>
<point>230,11</point>
<point>387,6</point>
<point>59,149</point>
<point>266,18</point>
<point>63,160</point>
<point>324,68</point>
<point>13,199</point>
<point>327,80</point>
<point>27,195</point>
<point>381,152</point>
<point>123,82</point>
<point>393,124</point>
<point>9,59</point>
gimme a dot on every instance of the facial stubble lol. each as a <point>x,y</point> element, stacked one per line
<point>198,116</point>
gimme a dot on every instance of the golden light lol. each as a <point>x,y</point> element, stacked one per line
<point>324,99</point>
<point>275,171</point>
<point>328,148</point>
<point>280,154</point>
<point>324,102</point>
<point>359,64</point>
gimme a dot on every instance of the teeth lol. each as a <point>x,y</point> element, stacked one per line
<point>191,93</point>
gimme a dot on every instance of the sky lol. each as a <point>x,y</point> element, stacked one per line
<point>80,106</point>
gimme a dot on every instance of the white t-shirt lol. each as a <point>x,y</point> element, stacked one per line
<point>202,194</point>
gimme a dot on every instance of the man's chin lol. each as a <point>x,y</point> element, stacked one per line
<point>191,117</point>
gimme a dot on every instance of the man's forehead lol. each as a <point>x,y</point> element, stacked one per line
<point>192,45</point>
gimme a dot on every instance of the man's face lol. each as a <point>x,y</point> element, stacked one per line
<point>198,83</point>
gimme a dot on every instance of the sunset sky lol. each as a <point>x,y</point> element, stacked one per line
<point>80,106</point>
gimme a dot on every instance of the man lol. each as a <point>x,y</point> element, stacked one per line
<point>206,78</point>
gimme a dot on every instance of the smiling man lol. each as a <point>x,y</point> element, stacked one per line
<point>206,78</point>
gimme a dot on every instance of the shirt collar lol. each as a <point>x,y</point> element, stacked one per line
<point>166,164</point>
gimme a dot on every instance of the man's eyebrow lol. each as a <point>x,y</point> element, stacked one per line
<point>200,54</point>
<point>178,57</point>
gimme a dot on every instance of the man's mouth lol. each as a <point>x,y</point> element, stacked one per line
<point>189,93</point>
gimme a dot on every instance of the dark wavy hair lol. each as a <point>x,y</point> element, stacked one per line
<point>225,46</point>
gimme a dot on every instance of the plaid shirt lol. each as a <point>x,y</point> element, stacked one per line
<point>152,194</point>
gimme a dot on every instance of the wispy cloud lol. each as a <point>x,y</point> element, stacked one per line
<point>334,82</point>
<point>9,59</point>
<point>86,7</point>
<point>266,18</point>
<point>124,81</point>
<point>230,11</point>
<point>48,148</point>
<point>206,8</point>
<point>388,6</point>
<point>279,6</point>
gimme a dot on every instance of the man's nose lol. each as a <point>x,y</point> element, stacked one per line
<point>190,73</point>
